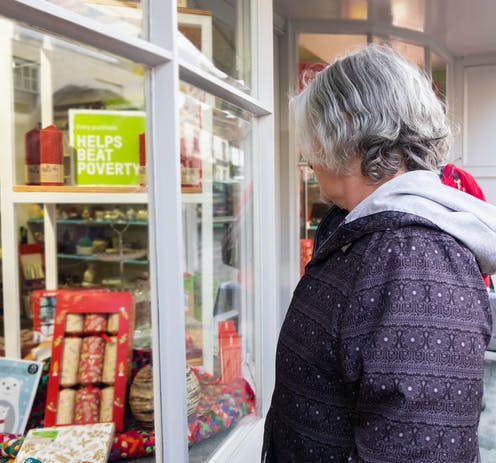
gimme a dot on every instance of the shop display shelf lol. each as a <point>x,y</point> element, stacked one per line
<point>131,259</point>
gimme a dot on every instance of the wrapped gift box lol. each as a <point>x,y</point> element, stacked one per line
<point>68,444</point>
<point>87,364</point>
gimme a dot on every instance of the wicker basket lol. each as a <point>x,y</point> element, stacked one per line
<point>192,390</point>
<point>141,395</point>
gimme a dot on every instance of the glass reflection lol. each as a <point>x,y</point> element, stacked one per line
<point>216,37</point>
<point>218,253</point>
<point>413,53</point>
<point>409,14</point>
<point>439,75</point>
<point>53,77</point>
<point>120,16</point>
<point>326,48</point>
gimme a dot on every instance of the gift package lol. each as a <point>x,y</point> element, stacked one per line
<point>229,351</point>
<point>68,444</point>
<point>91,354</point>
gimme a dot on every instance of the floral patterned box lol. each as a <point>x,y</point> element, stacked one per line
<point>68,444</point>
<point>91,357</point>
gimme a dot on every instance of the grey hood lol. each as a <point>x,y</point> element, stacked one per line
<point>468,219</point>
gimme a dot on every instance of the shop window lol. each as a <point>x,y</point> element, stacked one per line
<point>439,75</point>
<point>61,89</point>
<point>355,9</point>
<point>331,9</point>
<point>409,14</point>
<point>215,36</point>
<point>409,51</point>
<point>120,16</point>
<point>217,208</point>
<point>326,48</point>
<point>78,129</point>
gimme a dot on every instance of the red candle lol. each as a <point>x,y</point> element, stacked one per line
<point>142,159</point>
<point>51,156</point>
<point>32,157</point>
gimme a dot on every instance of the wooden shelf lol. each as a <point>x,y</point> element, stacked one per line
<point>78,189</point>
<point>93,222</point>
<point>182,9</point>
<point>93,258</point>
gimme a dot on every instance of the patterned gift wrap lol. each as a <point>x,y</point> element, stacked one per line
<point>109,361</point>
<point>113,323</point>
<point>74,323</point>
<point>95,323</point>
<point>68,444</point>
<point>107,404</point>
<point>87,405</point>
<point>66,406</point>
<point>70,361</point>
<point>91,363</point>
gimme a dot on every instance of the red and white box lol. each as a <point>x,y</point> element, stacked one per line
<point>89,361</point>
<point>229,351</point>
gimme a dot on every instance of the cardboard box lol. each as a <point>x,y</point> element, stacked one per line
<point>119,308</point>
<point>68,444</point>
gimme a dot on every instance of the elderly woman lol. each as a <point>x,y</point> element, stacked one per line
<point>380,357</point>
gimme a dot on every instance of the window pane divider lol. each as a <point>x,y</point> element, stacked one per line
<point>199,78</point>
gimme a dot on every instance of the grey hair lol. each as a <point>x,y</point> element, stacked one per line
<point>375,105</point>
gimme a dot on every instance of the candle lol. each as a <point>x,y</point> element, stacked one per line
<point>32,157</point>
<point>51,156</point>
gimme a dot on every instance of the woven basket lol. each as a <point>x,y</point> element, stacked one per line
<point>192,390</point>
<point>141,395</point>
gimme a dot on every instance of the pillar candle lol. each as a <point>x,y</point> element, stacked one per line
<point>32,157</point>
<point>51,156</point>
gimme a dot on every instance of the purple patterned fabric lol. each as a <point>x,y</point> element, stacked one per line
<point>380,357</point>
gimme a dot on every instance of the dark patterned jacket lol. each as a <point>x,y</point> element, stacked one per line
<point>380,357</point>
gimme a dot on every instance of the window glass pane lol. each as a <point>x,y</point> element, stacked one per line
<point>92,246</point>
<point>99,247</point>
<point>332,9</point>
<point>75,93</point>
<point>217,185</point>
<point>409,14</point>
<point>439,75</point>
<point>215,36</point>
<point>413,53</point>
<point>120,16</point>
<point>326,48</point>
<point>355,9</point>
<point>315,51</point>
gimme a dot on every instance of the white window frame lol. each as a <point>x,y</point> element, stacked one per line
<point>160,54</point>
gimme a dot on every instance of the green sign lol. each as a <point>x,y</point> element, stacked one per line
<point>106,146</point>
